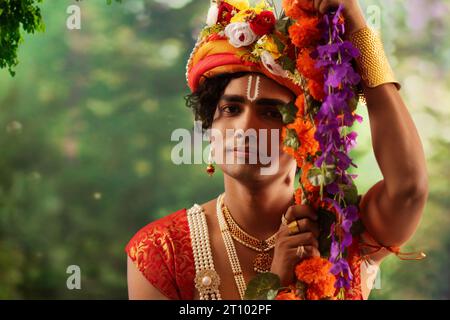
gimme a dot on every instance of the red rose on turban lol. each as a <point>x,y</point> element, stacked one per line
<point>263,23</point>
<point>225,14</point>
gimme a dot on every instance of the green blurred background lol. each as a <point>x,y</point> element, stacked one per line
<point>85,144</point>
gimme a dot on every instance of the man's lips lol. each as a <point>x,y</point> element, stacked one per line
<point>242,151</point>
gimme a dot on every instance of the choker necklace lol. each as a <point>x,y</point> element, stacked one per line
<point>263,260</point>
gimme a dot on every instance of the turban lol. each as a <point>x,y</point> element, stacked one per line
<point>241,38</point>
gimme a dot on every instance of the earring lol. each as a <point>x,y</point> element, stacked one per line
<point>210,169</point>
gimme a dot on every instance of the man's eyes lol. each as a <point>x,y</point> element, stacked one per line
<point>272,113</point>
<point>230,108</point>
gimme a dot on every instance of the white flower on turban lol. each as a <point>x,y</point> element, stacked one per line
<point>213,15</point>
<point>240,34</point>
<point>271,65</point>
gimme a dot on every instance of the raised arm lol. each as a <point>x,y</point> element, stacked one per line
<point>392,208</point>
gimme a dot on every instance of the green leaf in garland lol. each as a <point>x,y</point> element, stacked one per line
<point>353,103</point>
<point>206,31</point>
<point>350,193</point>
<point>288,112</point>
<point>286,63</point>
<point>282,25</point>
<point>272,294</point>
<point>291,139</point>
<point>301,288</point>
<point>279,43</point>
<point>312,105</point>
<point>258,287</point>
<point>318,177</point>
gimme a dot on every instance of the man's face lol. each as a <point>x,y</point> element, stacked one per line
<point>248,105</point>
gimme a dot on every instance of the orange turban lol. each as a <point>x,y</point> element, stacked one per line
<point>219,56</point>
<point>216,53</point>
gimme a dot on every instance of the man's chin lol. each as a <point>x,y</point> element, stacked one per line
<point>246,172</point>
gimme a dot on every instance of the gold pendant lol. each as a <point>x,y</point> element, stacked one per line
<point>207,281</point>
<point>262,262</point>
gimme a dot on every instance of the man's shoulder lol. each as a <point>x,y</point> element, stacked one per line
<point>168,223</point>
<point>160,230</point>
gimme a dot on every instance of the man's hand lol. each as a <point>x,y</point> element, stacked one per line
<point>353,14</point>
<point>286,245</point>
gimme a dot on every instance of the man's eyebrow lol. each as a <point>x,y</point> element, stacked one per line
<point>232,98</point>
<point>260,101</point>
<point>270,102</point>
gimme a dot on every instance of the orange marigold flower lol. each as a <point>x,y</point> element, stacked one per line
<point>295,10</point>
<point>322,289</point>
<point>314,270</point>
<point>309,188</point>
<point>304,178</point>
<point>305,168</point>
<point>316,90</point>
<point>298,8</point>
<point>305,33</point>
<point>287,296</point>
<point>300,104</point>
<point>305,133</point>
<point>306,66</point>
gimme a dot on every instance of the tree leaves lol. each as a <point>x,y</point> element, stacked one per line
<point>17,15</point>
<point>14,16</point>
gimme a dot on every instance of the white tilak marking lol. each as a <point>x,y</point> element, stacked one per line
<point>249,87</point>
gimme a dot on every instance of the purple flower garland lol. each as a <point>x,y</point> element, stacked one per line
<point>332,119</point>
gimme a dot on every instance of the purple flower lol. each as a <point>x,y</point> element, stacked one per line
<point>341,266</point>
<point>351,213</point>
<point>347,241</point>
<point>335,56</point>
<point>342,282</point>
<point>350,141</point>
<point>333,188</point>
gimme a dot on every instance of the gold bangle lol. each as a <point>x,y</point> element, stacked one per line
<point>284,220</point>
<point>373,64</point>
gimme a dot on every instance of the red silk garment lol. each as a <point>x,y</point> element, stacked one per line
<point>162,251</point>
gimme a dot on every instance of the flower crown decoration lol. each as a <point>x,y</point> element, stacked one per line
<point>307,53</point>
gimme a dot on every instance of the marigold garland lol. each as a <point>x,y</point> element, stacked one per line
<point>306,48</point>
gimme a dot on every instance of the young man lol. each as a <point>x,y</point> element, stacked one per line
<point>162,254</point>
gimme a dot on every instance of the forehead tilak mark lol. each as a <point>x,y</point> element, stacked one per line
<point>256,88</point>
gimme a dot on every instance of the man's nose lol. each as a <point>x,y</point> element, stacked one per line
<point>248,120</point>
<point>247,128</point>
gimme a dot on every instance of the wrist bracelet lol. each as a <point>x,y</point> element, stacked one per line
<point>373,64</point>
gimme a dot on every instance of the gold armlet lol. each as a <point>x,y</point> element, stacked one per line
<point>373,64</point>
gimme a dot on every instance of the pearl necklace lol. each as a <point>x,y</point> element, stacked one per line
<point>231,249</point>
<point>207,280</point>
